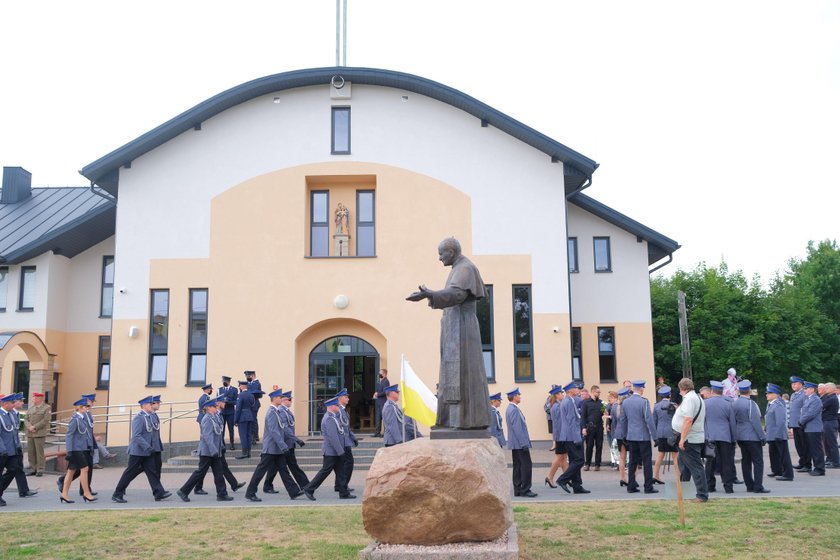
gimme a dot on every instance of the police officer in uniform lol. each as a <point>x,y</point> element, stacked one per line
<point>210,454</point>
<point>88,454</point>
<point>292,441</point>
<point>10,448</point>
<point>519,443</point>
<point>797,399</point>
<point>226,472</point>
<point>140,455</point>
<point>572,436</point>
<point>206,391</point>
<point>157,443</point>
<point>255,388</point>
<point>751,438</point>
<point>635,413</point>
<point>811,424</point>
<point>350,440</point>
<point>495,427</point>
<point>20,476</point>
<point>663,413</point>
<point>720,429</point>
<point>775,426</point>
<point>243,417</point>
<point>230,395</point>
<point>394,422</point>
<point>332,449</point>
<point>273,453</point>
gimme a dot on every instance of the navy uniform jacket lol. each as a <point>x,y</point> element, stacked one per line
<point>811,418</point>
<point>636,415</point>
<point>556,421</point>
<point>495,427</point>
<point>254,386</point>
<point>775,424</point>
<point>92,437</point>
<point>274,442</point>
<point>9,438</point>
<point>331,429</point>
<point>619,429</point>
<point>720,419</point>
<point>77,437</point>
<point>141,435</point>
<point>349,437</point>
<point>662,418</point>
<point>380,391</point>
<point>748,421</point>
<point>393,419</point>
<point>201,400</point>
<point>157,444</point>
<point>210,444</point>
<point>830,404</point>
<point>797,399</point>
<point>570,420</point>
<point>517,428</point>
<point>287,417</point>
<point>230,394</point>
<point>246,408</point>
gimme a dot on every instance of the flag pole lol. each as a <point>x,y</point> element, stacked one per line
<point>402,388</point>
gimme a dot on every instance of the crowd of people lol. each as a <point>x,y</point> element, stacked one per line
<point>702,428</point>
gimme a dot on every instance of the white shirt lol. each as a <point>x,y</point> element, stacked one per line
<point>691,403</point>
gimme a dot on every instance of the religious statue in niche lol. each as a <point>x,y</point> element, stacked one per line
<point>342,220</point>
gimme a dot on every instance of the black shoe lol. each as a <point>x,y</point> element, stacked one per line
<point>232,447</point>
<point>802,469</point>
<point>582,490</point>
<point>224,498</point>
<point>652,491</point>
<point>238,486</point>
<point>309,494</point>
<point>712,490</point>
<point>529,494</point>
<point>33,472</point>
<point>762,491</point>
<point>183,495</point>
<point>82,492</point>
<point>729,490</point>
<point>28,493</point>
<point>244,456</point>
<point>549,484</point>
<point>516,494</point>
<point>736,481</point>
<point>816,473</point>
<point>270,491</point>
<point>832,466</point>
<point>772,475</point>
<point>622,483</point>
<point>632,490</point>
<point>119,499</point>
<point>347,497</point>
<point>39,474</point>
<point>784,478</point>
<point>252,498</point>
<point>296,496</point>
<point>564,486</point>
<point>2,502</point>
<point>657,481</point>
<point>163,496</point>
<point>200,492</point>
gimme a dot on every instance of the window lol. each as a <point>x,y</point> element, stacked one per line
<point>603,261</point>
<point>4,276</point>
<point>484,312</point>
<point>103,378</point>
<point>106,305</point>
<point>365,224</point>
<point>159,337</point>
<point>577,365</point>
<point>319,242</point>
<point>341,130</point>
<point>197,372</point>
<point>26,302</point>
<point>21,384</point>
<point>523,346</point>
<point>606,354</point>
<point>572,250</point>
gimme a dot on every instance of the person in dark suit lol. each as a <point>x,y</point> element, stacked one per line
<point>830,406</point>
<point>244,416</point>
<point>230,395</point>
<point>333,451</point>
<point>379,397</point>
<point>255,387</point>
<point>140,456</point>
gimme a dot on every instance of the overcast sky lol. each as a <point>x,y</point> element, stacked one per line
<point>716,123</point>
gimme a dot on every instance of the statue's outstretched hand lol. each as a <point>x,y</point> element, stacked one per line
<point>420,295</point>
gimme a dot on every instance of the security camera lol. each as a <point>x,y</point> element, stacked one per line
<point>556,329</point>
<point>123,290</point>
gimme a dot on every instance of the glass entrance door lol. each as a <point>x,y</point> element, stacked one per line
<point>326,375</point>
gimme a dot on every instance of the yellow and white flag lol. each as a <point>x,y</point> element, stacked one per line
<point>419,401</point>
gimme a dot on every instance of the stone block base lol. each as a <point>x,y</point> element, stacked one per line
<point>505,547</point>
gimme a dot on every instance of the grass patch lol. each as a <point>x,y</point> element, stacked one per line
<point>750,528</point>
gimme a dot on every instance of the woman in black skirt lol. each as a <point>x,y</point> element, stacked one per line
<point>77,442</point>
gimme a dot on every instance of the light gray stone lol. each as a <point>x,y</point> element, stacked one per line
<point>505,547</point>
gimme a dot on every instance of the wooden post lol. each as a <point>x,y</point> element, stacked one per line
<point>680,503</point>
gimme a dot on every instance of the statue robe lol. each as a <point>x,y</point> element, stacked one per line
<point>462,396</point>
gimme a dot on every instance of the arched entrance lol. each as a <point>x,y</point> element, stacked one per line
<point>29,364</point>
<point>339,362</point>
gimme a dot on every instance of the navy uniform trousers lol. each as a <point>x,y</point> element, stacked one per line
<point>331,463</point>
<point>9,466</point>
<point>138,464</point>
<point>780,463</point>
<point>226,473</point>
<point>245,429</point>
<point>197,477</point>
<point>522,466</point>
<point>277,463</point>
<point>295,470</point>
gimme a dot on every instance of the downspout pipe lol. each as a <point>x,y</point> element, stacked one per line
<point>101,193</point>
<point>666,263</point>
<point>585,184</point>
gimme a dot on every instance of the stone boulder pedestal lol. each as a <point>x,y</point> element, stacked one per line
<point>433,492</point>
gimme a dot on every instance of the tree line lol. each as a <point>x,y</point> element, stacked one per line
<point>791,327</point>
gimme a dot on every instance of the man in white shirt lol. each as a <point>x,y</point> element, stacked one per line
<point>689,420</point>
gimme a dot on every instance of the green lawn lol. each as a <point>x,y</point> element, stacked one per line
<point>749,528</point>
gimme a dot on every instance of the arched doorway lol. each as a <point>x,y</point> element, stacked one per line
<point>339,362</point>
